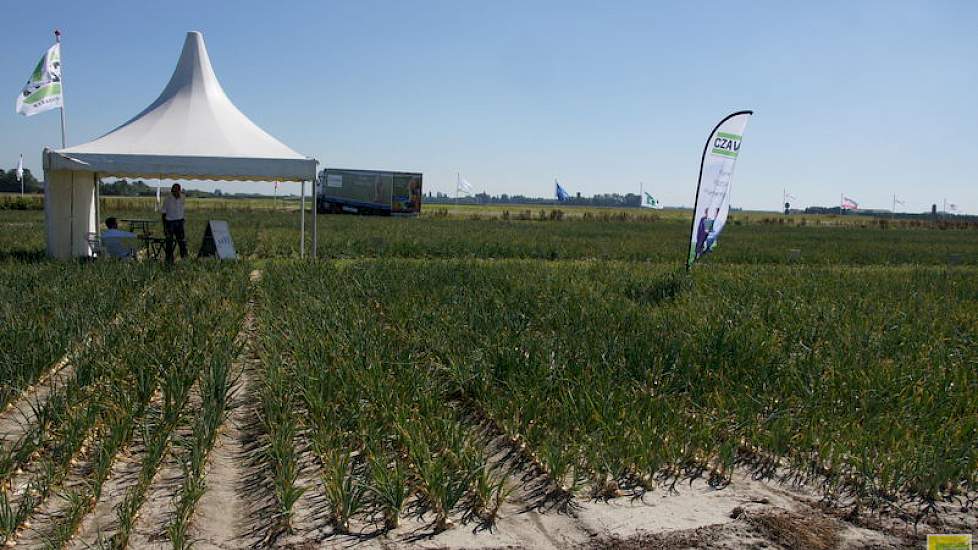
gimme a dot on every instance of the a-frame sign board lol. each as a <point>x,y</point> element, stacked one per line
<point>217,241</point>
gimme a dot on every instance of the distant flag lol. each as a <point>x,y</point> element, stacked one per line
<point>20,172</point>
<point>951,207</point>
<point>849,204</point>
<point>785,197</point>
<point>562,195</point>
<point>462,185</point>
<point>713,189</point>
<point>159,201</point>
<point>898,201</point>
<point>43,89</point>
<point>648,201</point>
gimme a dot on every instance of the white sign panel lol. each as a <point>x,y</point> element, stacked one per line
<point>217,241</point>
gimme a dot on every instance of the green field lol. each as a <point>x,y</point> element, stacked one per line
<point>841,353</point>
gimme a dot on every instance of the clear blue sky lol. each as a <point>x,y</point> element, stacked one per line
<point>862,98</point>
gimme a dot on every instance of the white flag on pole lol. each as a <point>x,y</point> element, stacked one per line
<point>159,202</point>
<point>463,186</point>
<point>43,89</point>
<point>20,169</point>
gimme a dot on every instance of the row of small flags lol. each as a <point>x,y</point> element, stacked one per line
<point>647,200</point>
<point>462,186</point>
<point>850,204</point>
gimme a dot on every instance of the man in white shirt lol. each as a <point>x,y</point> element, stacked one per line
<point>173,223</point>
<point>117,243</point>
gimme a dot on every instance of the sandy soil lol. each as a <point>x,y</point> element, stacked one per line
<point>225,512</point>
<point>20,413</point>
<point>746,513</point>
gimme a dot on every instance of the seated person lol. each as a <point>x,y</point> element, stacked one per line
<point>114,241</point>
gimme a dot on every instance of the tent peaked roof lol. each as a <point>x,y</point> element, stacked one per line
<point>192,130</point>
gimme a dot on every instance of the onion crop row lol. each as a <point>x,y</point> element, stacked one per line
<point>189,354</point>
<point>45,308</point>
<point>625,374</point>
<point>380,427</point>
<point>215,391</point>
<point>72,418</point>
<point>95,414</point>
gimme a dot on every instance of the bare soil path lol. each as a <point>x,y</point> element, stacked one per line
<point>227,511</point>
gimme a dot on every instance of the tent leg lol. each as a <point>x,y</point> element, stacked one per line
<point>98,206</point>
<point>71,219</point>
<point>302,220</point>
<point>315,217</point>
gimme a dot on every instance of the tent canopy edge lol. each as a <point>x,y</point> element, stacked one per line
<point>184,167</point>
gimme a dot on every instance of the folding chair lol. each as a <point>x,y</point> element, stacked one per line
<point>94,244</point>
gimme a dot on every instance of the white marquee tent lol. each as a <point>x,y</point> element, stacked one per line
<point>192,131</point>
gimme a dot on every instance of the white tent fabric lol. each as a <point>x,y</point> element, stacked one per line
<point>191,131</point>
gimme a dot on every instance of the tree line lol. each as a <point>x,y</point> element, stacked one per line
<point>9,183</point>
<point>603,199</point>
<point>118,188</point>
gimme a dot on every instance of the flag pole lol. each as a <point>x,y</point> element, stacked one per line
<point>64,133</point>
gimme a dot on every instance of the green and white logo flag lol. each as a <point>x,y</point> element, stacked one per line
<point>648,201</point>
<point>43,89</point>
<point>713,190</point>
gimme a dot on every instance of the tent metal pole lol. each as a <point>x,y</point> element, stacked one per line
<point>315,217</point>
<point>302,219</point>
<point>98,206</point>
<point>71,219</point>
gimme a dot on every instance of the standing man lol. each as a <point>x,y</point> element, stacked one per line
<point>173,223</point>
